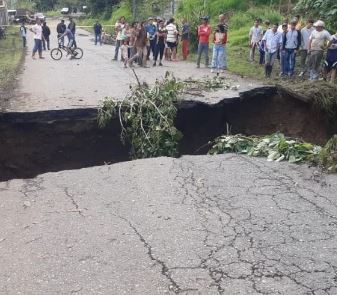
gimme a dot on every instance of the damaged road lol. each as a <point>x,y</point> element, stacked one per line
<point>196,225</point>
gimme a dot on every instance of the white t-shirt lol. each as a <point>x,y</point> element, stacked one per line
<point>319,39</point>
<point>171,33</point>
<point>37,29</point>
<point>256,34</point>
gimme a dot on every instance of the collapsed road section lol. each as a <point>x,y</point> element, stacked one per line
<point>37,142</point>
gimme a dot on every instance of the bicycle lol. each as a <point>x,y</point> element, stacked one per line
<point>56,53</point>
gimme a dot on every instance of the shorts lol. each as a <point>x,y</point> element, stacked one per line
<point>330,64</point>
<point>171,45</point>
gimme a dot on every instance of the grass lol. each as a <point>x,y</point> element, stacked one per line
<point>11,55</point>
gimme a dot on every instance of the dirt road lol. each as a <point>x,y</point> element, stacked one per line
<point>48,84</point>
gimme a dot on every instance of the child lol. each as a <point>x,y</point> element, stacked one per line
<point>23,34</point>
<point>220,40</point>
<point>125,50</point>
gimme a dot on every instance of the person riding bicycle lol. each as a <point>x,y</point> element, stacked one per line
<point>71,40</point>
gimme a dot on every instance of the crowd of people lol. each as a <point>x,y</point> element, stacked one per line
<point>158,39</point>
<point>291,39</point>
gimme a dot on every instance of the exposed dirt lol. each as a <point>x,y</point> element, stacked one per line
<point>34,143</point>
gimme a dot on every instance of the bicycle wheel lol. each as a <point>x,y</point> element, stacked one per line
<point>77,53</point>
<point>56,54</point>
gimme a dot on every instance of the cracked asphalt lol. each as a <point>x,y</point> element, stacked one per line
<point>196,225</point>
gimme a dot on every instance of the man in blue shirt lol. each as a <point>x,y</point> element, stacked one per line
<point>292,44</point>
<point>151,30</point>
<point>98,32</point>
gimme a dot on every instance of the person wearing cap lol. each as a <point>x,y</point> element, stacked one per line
<point>204,32</point>
<point>317,44</point>
<point>60,29</point>
<point>292,44</point>
<point>151,30</point>
<point>305,35</point>
<point>255,36</point>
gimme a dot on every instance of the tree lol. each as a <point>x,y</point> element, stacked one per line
<point>323,9</point>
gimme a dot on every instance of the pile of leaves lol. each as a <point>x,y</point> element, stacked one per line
<point>147,118</point>
<point>328,155</point>
<point>275,147</point>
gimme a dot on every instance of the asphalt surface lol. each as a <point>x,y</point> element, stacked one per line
<point>48,84</point>
<point>196,225</point>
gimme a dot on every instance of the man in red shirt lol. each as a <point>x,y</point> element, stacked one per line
<point>204,31</point>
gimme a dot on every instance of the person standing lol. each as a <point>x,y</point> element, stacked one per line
<point>185,39</point>
<point>255,36</point>
<point>98,32</point>
<point>272,40</point>
<point>140,44</point>
<point>72,28</point>
<point>292,44</point>
<point>224,23</point>
<point>60,29</point>
<point>283,50</point>
<point>317,44</point>
<point>119,26</point>
<point>23,34</point>
<point>171,39</point>
<point>160,45</point>
<point>37,30</point>
<point>220,40</point>
<point>204,32</point>
<point>305,35</point>
<point>331,58</point>
<point>151,30</point>
<point>46,36</point>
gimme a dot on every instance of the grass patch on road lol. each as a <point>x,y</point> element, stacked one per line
<point>11,55</point>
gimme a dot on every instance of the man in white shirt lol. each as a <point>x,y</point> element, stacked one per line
<point>119,26</point>
<point>305,35</point>
<point>273,41</point>
<point>317,44</point>
<point>37,30</point>
<point>255,36</point>
<point>171,38</point>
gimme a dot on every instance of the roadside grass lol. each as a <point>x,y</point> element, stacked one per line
<point>11,55</point>
<point>53,13</point>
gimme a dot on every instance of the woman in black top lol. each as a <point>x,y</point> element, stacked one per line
<point>160,46</point>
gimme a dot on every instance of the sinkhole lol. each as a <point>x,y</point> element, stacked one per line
<point>33,143</point>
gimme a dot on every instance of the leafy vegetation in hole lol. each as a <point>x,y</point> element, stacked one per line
<point>275,147</point>
<point>328,155</point>
<point>147,118</point>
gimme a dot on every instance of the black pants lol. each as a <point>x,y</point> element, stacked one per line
<point>24,41</point>
<point>152,48</point>
<point>159,50</point>
<point>44,41</point>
